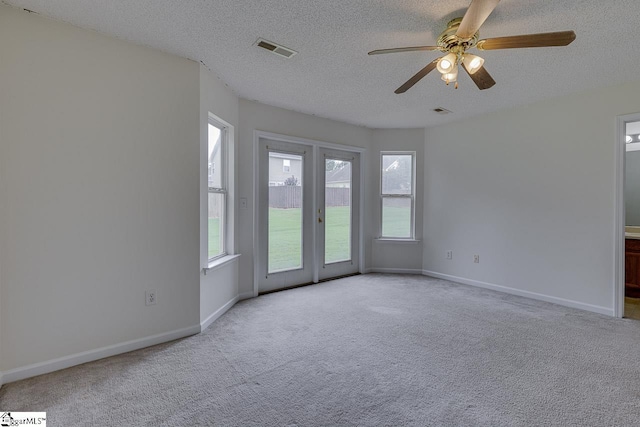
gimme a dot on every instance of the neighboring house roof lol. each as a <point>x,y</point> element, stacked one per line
<point>339,175</point>
<point>285,156</point>
<point>389,163</point>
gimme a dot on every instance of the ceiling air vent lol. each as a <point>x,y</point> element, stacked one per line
<point>275,48</point>
<point>441,110</point>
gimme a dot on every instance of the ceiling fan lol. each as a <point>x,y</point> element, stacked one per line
<point>461,35</point>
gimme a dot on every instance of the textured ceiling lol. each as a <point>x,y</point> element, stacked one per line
<point>332,76</point>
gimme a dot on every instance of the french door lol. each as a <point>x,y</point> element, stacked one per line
<point>308,214</point>
<point>338,212</point>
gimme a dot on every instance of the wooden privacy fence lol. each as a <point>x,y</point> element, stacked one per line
<point>335,196</point>
<point>290,196</point>
<point>285,197</point>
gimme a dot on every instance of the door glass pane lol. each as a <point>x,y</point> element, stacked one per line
<point>285,212</point>
<point>337,208</point>
<point>396,217</point>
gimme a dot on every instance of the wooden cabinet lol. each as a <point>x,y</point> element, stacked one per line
<point>632,268</point>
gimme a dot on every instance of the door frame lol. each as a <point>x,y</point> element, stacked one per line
<point>619,222</point>
<point>315,146</point>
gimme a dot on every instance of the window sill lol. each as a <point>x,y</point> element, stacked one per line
<point>220,262</point>
<point>390,240</point>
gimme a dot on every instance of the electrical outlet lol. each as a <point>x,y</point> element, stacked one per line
<point>476,259</point>
<point>449,254</point>
<point>151,298</point>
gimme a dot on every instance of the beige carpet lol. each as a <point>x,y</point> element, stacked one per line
<point>372,350</point>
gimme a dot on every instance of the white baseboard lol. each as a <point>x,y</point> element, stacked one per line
<point>395,270</point>
<point>245,295</point>
<point>519,292</point>
<point>219,312</point>
<point>91,355</point>
<point>112,350</point>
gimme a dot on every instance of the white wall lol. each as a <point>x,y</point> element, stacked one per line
<point>220,286</point>
<point>389,256</point>
<point>256,116</point>
<point>531,190</point>
<point>100,145</point>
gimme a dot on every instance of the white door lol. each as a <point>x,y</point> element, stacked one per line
<point>307,214</point>
<point>338,211</point>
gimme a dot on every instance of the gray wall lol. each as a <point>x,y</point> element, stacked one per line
<point>100,142</point>
<point>531,190</point>
<point>219,286</point>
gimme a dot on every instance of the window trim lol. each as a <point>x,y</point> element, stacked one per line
<point>412,196</point>
<point>224,180</point>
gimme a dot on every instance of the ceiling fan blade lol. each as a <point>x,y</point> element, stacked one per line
<point>478,12</point>
<point>403,49</point>
<point>415,79</point>
<point>561,38</point>
<point>481,78</point>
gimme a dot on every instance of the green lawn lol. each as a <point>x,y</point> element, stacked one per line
<point>337,234</point>
<point>396,222</point>
<point>285,244</point>
<point>285,239</point>
<point>214,237</point>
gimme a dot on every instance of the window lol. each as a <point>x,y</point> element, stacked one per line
<point>286,165</point>
<point>217,190</point>
<point>397,194</point>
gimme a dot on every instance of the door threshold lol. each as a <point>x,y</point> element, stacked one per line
<point>285,289</point>
<point>307,284</point>
<point>338,277</point>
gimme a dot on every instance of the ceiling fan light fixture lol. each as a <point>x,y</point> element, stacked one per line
<point>472,62</point>
<point>447,63</point>
<point>451,76</point>
<point>462,34</point>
